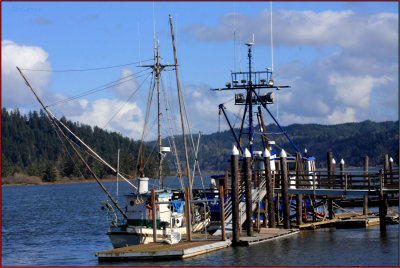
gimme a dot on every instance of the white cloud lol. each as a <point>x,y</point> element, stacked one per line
<point>357,80</point>
<point>127,118</point>
<point>354,91</point>
<point>13,89</point>
<point>342,116</point>
<point>127,84</point>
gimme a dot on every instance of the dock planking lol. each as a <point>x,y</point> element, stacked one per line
<point>265,235</point>
<point>159,250</point>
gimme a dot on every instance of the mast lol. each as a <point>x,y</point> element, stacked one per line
<point>250,100</point>
<point>180,106</point>
<point>158,70</point>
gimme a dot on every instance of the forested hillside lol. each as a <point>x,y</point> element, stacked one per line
<point>30,145</point>
<point>350,141</point>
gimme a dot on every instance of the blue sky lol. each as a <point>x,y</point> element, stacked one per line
<point>340,58</point>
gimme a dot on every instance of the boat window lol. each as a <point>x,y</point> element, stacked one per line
<point>131,203</point>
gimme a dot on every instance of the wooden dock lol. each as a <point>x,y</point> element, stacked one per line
<point>159,250</point>
<point>265,235</point>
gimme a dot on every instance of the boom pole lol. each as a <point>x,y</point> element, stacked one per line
<point>180,106</point>
<point>70,143</point>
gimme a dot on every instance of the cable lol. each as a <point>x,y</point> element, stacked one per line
<point>81,70</point>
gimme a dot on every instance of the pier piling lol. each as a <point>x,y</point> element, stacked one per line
<point>285,192</point>
<point>247,181</point>
<point>235,196</point>
<point>365,198</point>
<point>270,189</point>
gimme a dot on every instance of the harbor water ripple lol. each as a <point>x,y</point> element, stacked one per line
<point>63,225</point>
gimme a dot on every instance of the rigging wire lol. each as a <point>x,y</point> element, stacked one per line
<point>82,70</point>
<point>149,100</point>
<point>171,138</point>
<point>127,101</point>
<point>100,88</point>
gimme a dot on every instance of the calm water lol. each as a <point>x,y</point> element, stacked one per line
<point>63,225</point>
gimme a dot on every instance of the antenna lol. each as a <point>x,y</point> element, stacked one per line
<point>272,43</point>
<point>140,62</point>
<point>234,36</point>
<point>154,28</point>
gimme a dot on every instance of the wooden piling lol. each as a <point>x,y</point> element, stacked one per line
<point>235,196</point>
<point>187,214</point>
<point>249,200</point>
<point>383,204</point>
<point>226,183</point>
<point>365,198</point>
<point>270,189</point>
<point>299,209</point>
<point>153,211</point>
<point>331,171</point>
<point>285,190</point>
<point>222,210</point>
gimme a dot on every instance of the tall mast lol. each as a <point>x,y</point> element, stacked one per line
<point>250,100</point>
<point>180,106</point>
<point>158,70</point>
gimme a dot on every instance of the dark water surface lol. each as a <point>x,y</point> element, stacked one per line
<point>63,225</point>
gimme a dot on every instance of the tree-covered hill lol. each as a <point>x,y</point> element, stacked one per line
<point>31,145</point>
<point>350,141</point>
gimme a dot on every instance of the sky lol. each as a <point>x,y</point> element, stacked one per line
<point>340,60</point>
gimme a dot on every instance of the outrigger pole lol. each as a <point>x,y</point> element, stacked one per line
<point>51,116</point>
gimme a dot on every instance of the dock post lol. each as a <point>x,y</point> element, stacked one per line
<point>299,209</point>
<point>226,182</point>
<point>153,211</point>
<point>331,172</point>
<point>247,184</point>
<point>382,211</point>
<point>285,192</point>
<point>187,215</point>
<point>270,189</point>
<point>235,195</point>
<point>365,200</point>
<point>222,205</point>
<point>342,175</point>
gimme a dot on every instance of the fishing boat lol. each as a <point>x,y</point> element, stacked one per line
<point>149,213</point>
<point>255,140</point>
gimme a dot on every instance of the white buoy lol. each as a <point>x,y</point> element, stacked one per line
<point>342,161</point>
<point>333,161</point>
<point>391,160</point>
<point>143,185</point>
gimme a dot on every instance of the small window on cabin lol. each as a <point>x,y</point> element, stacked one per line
<point>132,203</point>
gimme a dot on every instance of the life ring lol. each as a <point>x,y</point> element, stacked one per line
<point>150,207</point>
